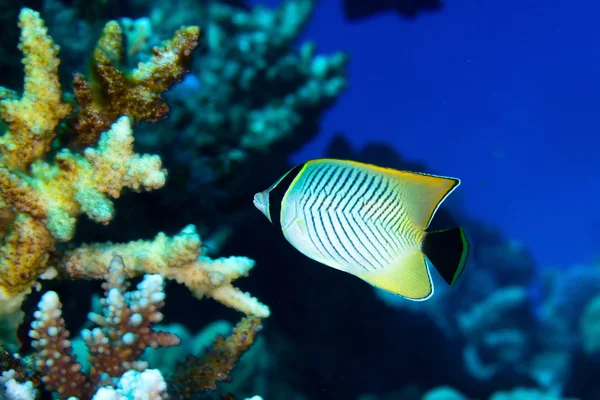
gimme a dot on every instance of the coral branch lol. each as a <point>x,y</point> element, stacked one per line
<point>57,193</point>
<point>54,355</point>
<point>124,331</point>
<point>138,95</point>
<point>203,373</point>
<point>23,254</point>
<point>42,194</point>
<point>178,258</point>
<point>32,118</point>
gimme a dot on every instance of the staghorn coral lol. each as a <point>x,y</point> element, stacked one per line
<point>44,189</point>
<point>56,193</point>
<point>45,197</point>
<point>250,64</point>
<point>33,118</point>
<point>121,336</point>
<point>123,331</point>
<point>43,192</point>
<point>138,94</point>
<point>251,98</point>
<point>178,258</point>
<point>24,254</point>
<point>202,373</point>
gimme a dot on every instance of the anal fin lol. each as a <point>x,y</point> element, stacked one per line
<point>408,277</point>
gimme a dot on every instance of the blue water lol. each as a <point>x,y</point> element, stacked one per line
<point>504,95</point>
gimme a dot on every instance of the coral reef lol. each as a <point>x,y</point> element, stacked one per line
<point>589,327</point>
<point>237,106</point>
<point>494,331</point>
<point>45,186</point>
<point>447,393</point>
<point>252,97</point>
<point>62,158</point>
<point>115,345</point>
<point>203,373</point>
<point>137,94</point>
<point>177,258</point>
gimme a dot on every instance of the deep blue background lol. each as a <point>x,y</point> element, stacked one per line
<point>504,95</point>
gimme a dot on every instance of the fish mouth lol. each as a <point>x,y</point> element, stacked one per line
<point>256,200</point>
<point>261,201</point>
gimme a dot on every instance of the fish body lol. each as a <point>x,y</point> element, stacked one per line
<point>368,221</point>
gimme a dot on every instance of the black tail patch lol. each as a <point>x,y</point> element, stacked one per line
<point>448,251</point>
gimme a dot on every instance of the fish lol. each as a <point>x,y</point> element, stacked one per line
<point>369,221</point>
<point>356,10</point>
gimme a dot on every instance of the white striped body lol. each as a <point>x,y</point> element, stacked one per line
<point>348,217</point>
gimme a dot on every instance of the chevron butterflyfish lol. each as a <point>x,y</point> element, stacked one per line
<point>368,221</point>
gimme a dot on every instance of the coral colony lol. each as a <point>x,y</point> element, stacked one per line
<point>44,189</point>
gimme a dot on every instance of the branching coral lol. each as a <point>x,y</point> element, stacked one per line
<point>45,187</point>
<point>18,371</point>
<point>176,258</point>
<point>252,93</point>
<point>32,118</point>
<point>202,373</point>
<point>56,193</point>
<point>275,90</point>
<point>42,192</point>
<point>113,93</point>
<point>122,333</point>
<point>47,196</point>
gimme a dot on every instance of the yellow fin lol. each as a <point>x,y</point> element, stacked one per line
<point>409,277</point>
<point>422,194</point>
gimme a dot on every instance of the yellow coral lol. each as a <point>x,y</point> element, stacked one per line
<point>178,258</point>
<point>22,261</point>
<point>112,93</point>
<point>58,192</point>
<point>32,118</point>
<point>40,199</point>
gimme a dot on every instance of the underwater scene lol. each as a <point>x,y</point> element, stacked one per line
<point>299,200</point>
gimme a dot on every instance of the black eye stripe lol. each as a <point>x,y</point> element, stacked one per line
<point>278,192</point>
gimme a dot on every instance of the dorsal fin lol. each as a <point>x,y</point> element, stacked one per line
<point>421,193</point>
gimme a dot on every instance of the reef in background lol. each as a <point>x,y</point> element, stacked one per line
<point>508,325</point>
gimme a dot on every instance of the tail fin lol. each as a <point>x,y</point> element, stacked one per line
<point>448,251</point>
